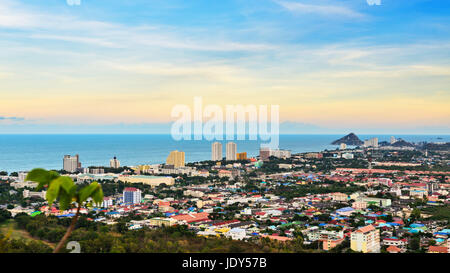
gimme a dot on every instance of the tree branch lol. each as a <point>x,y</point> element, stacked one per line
<point>69,230</point>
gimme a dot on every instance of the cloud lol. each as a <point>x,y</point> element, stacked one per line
<point>11,119</point>
<point>47,26</point>
<point>374,2</point>
<point>324,10</point>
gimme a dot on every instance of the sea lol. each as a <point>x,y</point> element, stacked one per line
<point>25,152</point>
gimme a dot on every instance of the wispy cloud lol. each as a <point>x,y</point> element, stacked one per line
<point>11,118</point>
<point>46,26</point>
<point>324,9</point>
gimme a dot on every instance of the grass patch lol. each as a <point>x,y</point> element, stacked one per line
<point>438,213</point>
<point>16,233</point>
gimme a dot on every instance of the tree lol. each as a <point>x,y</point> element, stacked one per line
<point>4,215</point>
<point>415,214</point>
<point>414,243</point>
<point>63,189</point>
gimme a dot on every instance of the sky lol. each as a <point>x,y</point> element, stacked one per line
<point>332,66</point>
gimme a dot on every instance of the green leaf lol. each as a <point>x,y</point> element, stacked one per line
<point>87,191</point>
<point>66,183</point>
<point>98,196</point>
<point>64,200</point>
<point>43,177</point>
<point>53,191</point>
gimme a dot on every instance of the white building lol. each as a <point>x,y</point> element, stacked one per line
<point>114,163</point>
<point>216,151</point>
<point>28,194</point>
<point>366,240</point>
<point>236,234</point>
<point>373,142</point>
<point>132,195</point>
<point>107,201</point>
<point>71,163</point>
<point>22,176</point>
<point>231,151</point>
<point>348,156</point>
<point>280,153</point>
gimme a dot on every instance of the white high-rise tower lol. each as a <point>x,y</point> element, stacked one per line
<point>231,151</point>
<point>216,151</point>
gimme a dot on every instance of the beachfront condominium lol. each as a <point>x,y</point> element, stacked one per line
<point>366,240</point>
<point>373,142</point>
<point>216,151</point>
<point>114,163</point>
<point>176,159</point>
<point>71,163</point>
<point>231,151</point>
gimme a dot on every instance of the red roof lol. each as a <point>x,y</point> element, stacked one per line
<point>439,249</point>
<point>227,222</point>
<point>191,218</point>
<point>130,189</point>
<point>276,237</point>
<point>393,249</point>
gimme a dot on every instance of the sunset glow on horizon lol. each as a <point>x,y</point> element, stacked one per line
<point>327,64</point>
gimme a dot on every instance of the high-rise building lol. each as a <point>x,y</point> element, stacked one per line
<point>132,195</point>
<point>366,240</point>
<point>231,151</point>
<point>343,146</point>
<point>114,163</point>
<point>264,153</point>
<point>216,150</point>
<point>241,156</point>
<point>22,176</point>
<point>373,142</point>
<point>71,163</point>
<point>176,159</point>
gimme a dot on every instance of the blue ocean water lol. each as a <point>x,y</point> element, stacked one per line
<point>25,152</point>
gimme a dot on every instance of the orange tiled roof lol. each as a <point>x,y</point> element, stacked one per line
<point>393,249</point>
<point>439,249</point>
<point>366,229</point>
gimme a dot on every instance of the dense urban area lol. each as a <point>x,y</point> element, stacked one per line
<point>364,196</point>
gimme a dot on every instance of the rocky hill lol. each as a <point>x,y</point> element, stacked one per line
<point>350,139</point>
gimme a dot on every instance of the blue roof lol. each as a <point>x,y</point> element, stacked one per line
<point>67,215</point>
<point>345,209</point>
<point>112,212</point>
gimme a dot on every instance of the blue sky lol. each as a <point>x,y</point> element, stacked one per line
<point>331,65</point>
